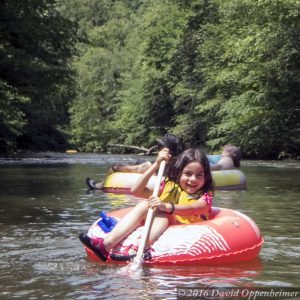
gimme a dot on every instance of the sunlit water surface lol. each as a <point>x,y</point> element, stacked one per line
<point>45,204</point>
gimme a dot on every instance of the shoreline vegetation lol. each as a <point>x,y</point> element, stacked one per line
<point>72,153</point>
<point>92,75</point>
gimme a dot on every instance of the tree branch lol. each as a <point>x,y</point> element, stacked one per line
<point>147,151</point>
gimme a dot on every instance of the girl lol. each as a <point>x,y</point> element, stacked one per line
<point>185,197</point>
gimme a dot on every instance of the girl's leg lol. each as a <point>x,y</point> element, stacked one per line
<point>132,220</point>
<point>160,224</point>
<point>126,225</point>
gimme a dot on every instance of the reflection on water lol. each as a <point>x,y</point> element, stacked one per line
<point>44,205</point>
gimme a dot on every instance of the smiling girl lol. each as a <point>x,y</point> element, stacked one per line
<point>185,197</point>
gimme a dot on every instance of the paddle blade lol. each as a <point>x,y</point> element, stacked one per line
<point>133,269</point>
<point>136,264</point>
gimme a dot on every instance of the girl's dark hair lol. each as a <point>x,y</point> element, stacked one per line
<point>187,156</point>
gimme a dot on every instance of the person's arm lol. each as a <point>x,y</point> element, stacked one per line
<point>141,168</point>
<point>139,188</point>
<point>225,163</point>
<point>196,208</point>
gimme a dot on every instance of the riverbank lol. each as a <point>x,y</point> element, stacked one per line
<point>107,158</point>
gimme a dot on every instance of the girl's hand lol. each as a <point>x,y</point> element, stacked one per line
<point>156,202</point>
<point>163,154</point>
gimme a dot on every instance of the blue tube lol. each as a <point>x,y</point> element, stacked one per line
<point>213,159</point>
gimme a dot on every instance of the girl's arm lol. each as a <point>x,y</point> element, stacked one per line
<point>197,208</point>
<point>139,188</point>
<point>202,206</point>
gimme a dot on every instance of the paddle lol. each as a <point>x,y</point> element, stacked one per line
<point>138,260</point>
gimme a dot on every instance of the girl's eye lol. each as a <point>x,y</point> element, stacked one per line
<point>200,175</point>
<point>189,174</point>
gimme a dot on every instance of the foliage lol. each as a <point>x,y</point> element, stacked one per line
<point>146,110</point>
<point>210,71</point>
<point>255,76</point>
<point>35,44</point>
<point>193,113</point>
<point>98,77</point>
<point>11,116</point>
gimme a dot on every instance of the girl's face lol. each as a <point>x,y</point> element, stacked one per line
<point>192,177</point>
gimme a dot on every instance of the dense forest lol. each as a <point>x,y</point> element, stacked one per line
<point>85,74</point>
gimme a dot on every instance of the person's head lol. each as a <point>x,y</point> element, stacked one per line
<point>233,152</point>
<point>192,171</point>
<point>171,142</point>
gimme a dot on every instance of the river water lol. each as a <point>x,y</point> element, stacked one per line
<point>45,204</point>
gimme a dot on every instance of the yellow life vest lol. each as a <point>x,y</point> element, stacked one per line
<point>173,193</point>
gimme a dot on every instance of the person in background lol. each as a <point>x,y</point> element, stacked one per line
<point>230,159</point>
<point>185,197</point>
<point>169,141</point>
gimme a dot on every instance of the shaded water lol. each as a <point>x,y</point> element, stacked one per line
<point>44,205</point>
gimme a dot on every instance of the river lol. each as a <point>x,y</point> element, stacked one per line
<point>45,204</point>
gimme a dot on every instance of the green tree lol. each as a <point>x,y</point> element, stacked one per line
<point>35,45</point>
<point>146,110</point>
<point>98,75</point>
<point>188,73</point>
<point>254,78</point>
<point>12,119</point>
<point>210,71</point>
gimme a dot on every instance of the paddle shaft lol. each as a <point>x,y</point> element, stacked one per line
<point>150,213</point>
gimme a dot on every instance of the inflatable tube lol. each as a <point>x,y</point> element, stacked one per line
<point>213,159</point>
<point>228,237</point>
<point>119,182</point>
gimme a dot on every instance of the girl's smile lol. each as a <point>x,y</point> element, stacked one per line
<point>192,177</point>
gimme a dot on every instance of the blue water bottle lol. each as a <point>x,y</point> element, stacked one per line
<point>107,223</point>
